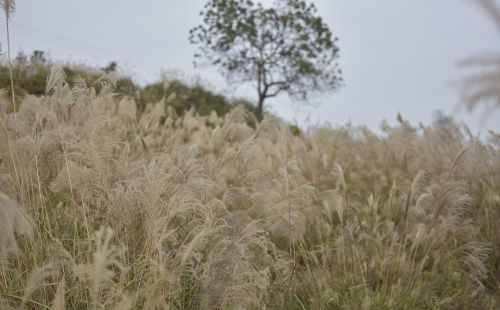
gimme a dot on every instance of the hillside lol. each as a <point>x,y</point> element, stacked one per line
<point>31,74</point>
<point>105,207</point>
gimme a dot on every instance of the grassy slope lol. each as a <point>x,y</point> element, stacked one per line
<point>30,77</point>
<point>154,210</point>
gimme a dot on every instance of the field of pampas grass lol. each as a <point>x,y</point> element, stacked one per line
<point>103,207</point>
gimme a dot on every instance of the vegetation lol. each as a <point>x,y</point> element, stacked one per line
<point>103,207</point>
<point>30,77</point>
<point>114,196</point>
<point>182,97</point>
<point>286,48</point>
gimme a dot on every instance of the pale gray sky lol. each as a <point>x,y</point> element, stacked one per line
<point>397,55</point>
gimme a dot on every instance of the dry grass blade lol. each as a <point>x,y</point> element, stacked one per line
<point>59,302</point>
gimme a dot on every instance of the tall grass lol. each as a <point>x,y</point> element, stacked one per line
<point>9,7</point>
<point>104,207</point>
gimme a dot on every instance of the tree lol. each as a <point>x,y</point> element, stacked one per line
<point>38,57</point>
<point>286,48</point>
<point>111,67</point>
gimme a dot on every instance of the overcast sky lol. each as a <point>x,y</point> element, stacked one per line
<point>397,55</point>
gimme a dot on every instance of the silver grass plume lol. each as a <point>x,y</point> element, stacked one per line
<point>484,87</point>
<point>13,221</point>
<point>37,279</point>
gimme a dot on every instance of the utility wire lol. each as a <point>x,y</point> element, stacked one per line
<point>56,37</point>
<point>78,46</point>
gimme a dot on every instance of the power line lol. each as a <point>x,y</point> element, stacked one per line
<point>55,42</point>
<point>78,46</point>
<point>56,37</point>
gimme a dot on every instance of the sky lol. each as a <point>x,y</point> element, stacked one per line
<point>397,56</point>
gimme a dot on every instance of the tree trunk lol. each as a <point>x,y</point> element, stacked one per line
<point>259,113</point>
